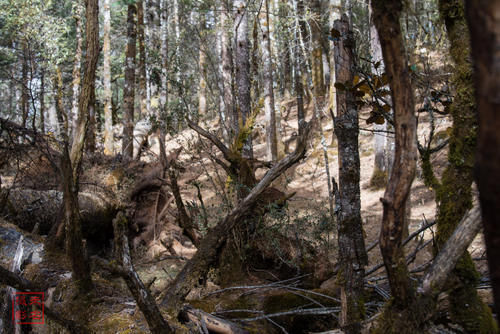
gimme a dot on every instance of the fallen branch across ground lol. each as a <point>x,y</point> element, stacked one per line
<point>197,268</point>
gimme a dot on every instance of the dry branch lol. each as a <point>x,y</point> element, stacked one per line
<point>212,323</point>
<point>208,252</point>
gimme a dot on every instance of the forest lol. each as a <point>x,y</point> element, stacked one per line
<point>249,166</point>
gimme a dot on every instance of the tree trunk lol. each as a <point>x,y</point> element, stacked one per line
<point>90,142</point>
<point>228,108</point>
<point>299,87</point>
<point>24,85</point>
<point>108,111</point>
<point>380,168</point>
<point>73,118</point>
<point>72,161</point>
<point>386,16</point>
<point>484,21</point>
<point>454,195</point>
<point>142,60</point>
<point>242,67</point>
<point>42,101</point>
<point>271,139</point>
<point>202,63</point>
<point>284,45</point>
<point>129,87</point>
<point>317,51</point>
<point>352,254</point>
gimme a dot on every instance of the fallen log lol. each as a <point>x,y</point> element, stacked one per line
<point>210,323</point>
<point>28,208</point>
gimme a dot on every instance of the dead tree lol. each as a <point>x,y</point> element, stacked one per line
<point>210,247</point>
<point>483,25</point>
<point>352,254</point>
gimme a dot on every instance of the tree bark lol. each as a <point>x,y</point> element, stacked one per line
<point>317,51</point>
<point>129,87</point>
<point>42,101</point>
<point>142,60</point>
<point>352,254</point>
<point>242,67</point>
<point>228,105</point>
<point>202,63</point>
<point>386,16</point>
<point>484,21</point>
<point>271,139</point>
<point>108,111</point>
<point>24,85</point>
<point>78,14</point>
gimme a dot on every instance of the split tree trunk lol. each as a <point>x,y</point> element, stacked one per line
<point>129,87</point>
<point>352,254</point>
<point>484,21</point>
<point>72,161</point>
<point>271,139</point>
<point>386,16</point>
<point>108,111</point>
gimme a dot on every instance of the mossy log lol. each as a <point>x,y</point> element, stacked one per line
<point>41,210</point>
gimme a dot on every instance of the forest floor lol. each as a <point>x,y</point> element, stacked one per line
<point>306,221</point>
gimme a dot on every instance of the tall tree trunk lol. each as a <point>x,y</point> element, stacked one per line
<point>129,87</point>
<point>142,60</point>
<point>386,16</point>
<point>229,107</point>
<point>298,83</point>
<point>317,51</point>
<point>380,168</point>
<point>164,64</point>
<point>73,117</point>
<point>42,101</point>
<point>242,67</point>
<point>271,139</point>
<point>284,46</point>
<point>202,62</point>
<point>24,85</point>
<point>484,21</point>
<point>106,73</point>
<point>72,161</point>
<point>453,195</point>
<point>352,254</point>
